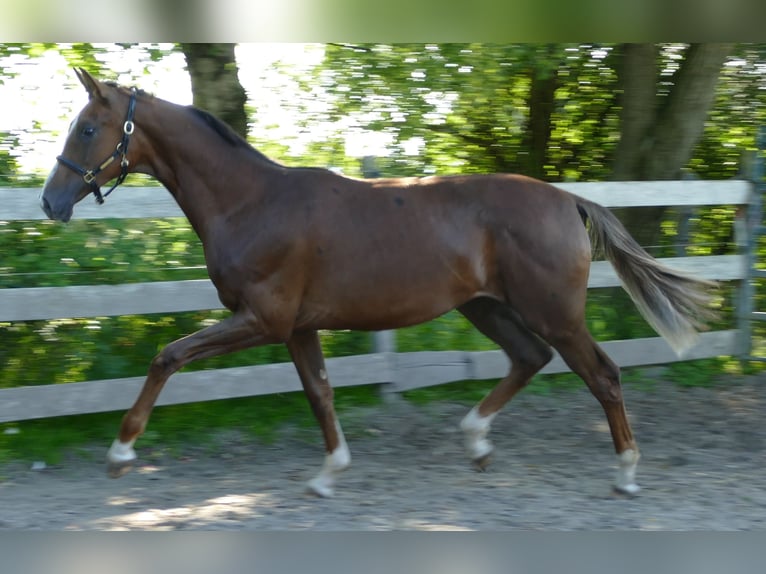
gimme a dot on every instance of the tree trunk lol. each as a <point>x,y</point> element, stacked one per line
<point>681,119</point>
<point>215,84</point>
<point>638,72</point>
<point>541,102</point>
<point>658,133</point>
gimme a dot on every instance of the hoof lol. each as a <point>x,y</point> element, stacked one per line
<point>318,487</point>
<point>477,445</point>
<point>120,459</point>
<point>625,483</point>
<point>118,469</point>
<point>626,491</point>
<point>482,462</point>
<point>334,463</point>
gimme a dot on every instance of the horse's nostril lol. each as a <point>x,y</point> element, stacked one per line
<point>45,206</point>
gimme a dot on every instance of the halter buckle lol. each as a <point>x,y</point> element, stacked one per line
<point>89,176</point>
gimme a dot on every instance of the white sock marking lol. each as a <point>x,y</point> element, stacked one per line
<point>626,473</point>
<point>476,428</point>
<point>121,451</point>
<point>334,463</point>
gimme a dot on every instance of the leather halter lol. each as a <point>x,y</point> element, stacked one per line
<point>121,151</point>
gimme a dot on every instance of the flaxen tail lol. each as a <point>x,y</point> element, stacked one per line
<point>676,305</point>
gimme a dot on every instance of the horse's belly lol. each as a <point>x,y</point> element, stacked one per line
<point>385,305</point>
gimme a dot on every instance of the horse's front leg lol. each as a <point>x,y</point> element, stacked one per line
<point>306,352</point>
<point>240,331</point>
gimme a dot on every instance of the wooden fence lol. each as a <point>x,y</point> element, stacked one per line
<point>398,371</point>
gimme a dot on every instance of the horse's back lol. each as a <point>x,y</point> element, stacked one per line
<point>417,247</point>
<point>411,224</point>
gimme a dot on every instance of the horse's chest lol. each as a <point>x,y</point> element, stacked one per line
<point>233,266</point>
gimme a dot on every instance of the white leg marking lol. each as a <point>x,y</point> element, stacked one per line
<point>476,428</point>
<point>121,452</point>
<point>626,473</point>
<point>334,463</point>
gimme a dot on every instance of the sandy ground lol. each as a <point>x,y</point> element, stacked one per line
<point>702,468</point>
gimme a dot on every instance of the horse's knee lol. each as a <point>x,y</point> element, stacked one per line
<point>165,363</point>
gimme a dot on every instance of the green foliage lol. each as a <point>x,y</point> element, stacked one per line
<point>703,373</point>
<point>91,252</point>
<point>739,110</point>
<point>468,104</point>
<point>449,332</point>
<point>106,61</point>
<point>8,164</point>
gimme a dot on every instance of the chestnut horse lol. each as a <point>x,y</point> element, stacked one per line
<point>295,250</point>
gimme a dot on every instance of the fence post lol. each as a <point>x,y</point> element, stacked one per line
<point>750,228</point>
<point>684,217</point>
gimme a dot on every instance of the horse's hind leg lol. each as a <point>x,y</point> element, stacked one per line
<point>528,354</point>
<point>306,352</point>
<point>587,359</point>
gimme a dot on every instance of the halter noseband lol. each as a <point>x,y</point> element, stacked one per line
<point>89,175</point>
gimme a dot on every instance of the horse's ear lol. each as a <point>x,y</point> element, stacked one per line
<point>91,84</point>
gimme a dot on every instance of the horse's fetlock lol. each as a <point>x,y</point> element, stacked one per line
<point>133,425</point>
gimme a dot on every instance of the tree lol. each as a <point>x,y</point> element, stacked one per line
<point>662,117</point>
<point>215,82</point>
<point>528,108</point>
<point>555,112</point>
<point>475,107</point>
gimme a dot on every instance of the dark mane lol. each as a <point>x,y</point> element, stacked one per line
<point>218,126</point>
<point>227,133</point>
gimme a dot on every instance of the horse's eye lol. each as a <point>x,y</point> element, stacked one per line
<point>87,131</point>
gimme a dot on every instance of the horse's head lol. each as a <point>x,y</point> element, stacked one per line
<point>96,149</point>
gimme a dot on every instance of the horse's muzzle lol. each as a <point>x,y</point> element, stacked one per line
<point>59,214</point>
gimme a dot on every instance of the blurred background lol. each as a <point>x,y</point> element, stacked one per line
<point>558,112</point>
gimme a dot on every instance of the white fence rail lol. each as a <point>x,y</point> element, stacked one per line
<point>400,371</point>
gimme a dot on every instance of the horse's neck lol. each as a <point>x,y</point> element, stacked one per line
<point>202,172</point>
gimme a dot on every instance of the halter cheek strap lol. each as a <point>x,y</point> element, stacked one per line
<point>121,151</point>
